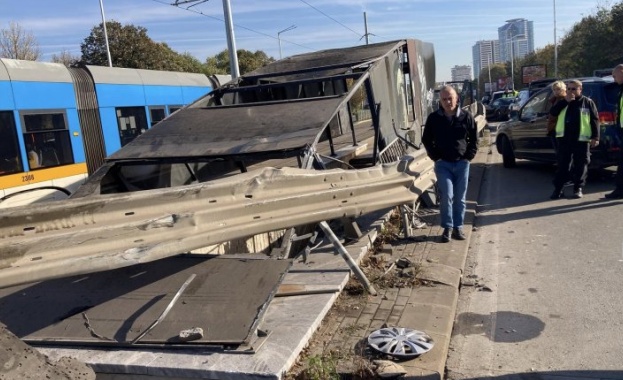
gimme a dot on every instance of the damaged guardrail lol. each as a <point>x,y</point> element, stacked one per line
<point>84,235</point>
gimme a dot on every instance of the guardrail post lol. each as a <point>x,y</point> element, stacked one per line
<point>349,260</point>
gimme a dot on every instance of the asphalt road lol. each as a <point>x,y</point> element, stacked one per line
<point>543,288</point>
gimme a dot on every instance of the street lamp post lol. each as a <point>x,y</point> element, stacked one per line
<point>279,36</point>
<point>489,67</point>
<point>513,59</point>
<point>555,45</point>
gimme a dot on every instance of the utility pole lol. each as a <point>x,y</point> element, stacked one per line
<point>231,41</point>
<point>105,34</point>
<point>555,45</point>
<point>229,30</point>
<point>489,67</point>
<point>365,24</point>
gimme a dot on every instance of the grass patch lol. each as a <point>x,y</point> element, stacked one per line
<point>321,367</point>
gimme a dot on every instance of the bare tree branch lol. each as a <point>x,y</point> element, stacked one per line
<point>17,43</point>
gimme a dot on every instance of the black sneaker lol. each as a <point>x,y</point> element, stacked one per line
<point>577,193</point>
<point>458,234</point>
<point>557,194</point>
<point>445,236</point>
<point>614,195</point>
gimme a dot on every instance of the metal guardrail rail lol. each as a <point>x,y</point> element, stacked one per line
<point>84,235</point>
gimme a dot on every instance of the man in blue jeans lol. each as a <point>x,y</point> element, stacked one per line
<point>451,140</point>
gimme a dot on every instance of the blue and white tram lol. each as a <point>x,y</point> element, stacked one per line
<point>57,124</point>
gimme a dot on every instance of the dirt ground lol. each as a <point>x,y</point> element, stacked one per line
<point>339,349</point>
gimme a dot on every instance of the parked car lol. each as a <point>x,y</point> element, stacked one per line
<point>525,135</point>
<point>499,109</point>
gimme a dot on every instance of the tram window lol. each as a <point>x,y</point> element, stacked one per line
<point>174,108</point>
<point>47,139</point>
<point>9,150</point>
<point>157,114</point>
<point>132,121</point>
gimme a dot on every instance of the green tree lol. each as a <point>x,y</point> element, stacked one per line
<point>615,53</point>
<point>17,43</point>
<point>498,71</point>
<point>247,61</point>
<point>583,48</point>
<point>129,46</point>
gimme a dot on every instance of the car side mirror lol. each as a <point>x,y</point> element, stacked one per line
<point>514,114</point>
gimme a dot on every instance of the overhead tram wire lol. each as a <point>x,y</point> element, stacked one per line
<point>223,21</point>
<point>326,15</point>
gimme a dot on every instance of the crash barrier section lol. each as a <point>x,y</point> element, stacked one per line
<point>78,236</point>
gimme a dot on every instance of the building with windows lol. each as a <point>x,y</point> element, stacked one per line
<point>461,72</point>
<point>516,39</point>
<point>485,53</point>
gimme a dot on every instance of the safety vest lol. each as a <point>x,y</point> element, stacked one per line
<point>621,111</point>
<point>585,124</point>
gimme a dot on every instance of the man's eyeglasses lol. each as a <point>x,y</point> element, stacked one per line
<point>573,88</point>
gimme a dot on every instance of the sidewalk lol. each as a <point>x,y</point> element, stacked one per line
<point>430,308</point>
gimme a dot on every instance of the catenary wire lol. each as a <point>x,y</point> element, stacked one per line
<point>326,15</point>
<point>236,25</point>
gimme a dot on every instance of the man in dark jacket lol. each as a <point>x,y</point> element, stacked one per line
<point>617,74</point>
<point>577,130</point>
<point>451,140</point>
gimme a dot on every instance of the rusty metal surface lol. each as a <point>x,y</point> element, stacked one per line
<point>227,299</point>
<point>111,231</point>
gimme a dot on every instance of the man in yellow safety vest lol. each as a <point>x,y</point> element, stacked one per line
<point>617,74</point>
<point>577,130</point>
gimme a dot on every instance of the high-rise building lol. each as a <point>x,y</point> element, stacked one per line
<point>461,72</point>
<point>516,38</point>
<point>485,53</point>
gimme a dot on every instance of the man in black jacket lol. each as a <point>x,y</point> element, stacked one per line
<point>617,74</point>
<point>577,130</point>
<point>451,140</point>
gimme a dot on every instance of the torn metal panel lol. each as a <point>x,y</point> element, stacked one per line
<point>326,62</point>
<point>110,231</point>
<point>234,130</point>
<point>295,108</point>
<point>226,299</point>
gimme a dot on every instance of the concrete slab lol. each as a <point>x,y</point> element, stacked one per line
<point>440,273</point>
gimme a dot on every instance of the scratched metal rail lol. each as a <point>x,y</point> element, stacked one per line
<point>104,232</point>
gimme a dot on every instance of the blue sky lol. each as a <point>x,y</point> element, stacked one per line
<point>453,26</point>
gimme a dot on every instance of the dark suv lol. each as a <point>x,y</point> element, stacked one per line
<point>525,135</point>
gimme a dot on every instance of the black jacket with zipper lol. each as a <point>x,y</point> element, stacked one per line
<point>450,139</point>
